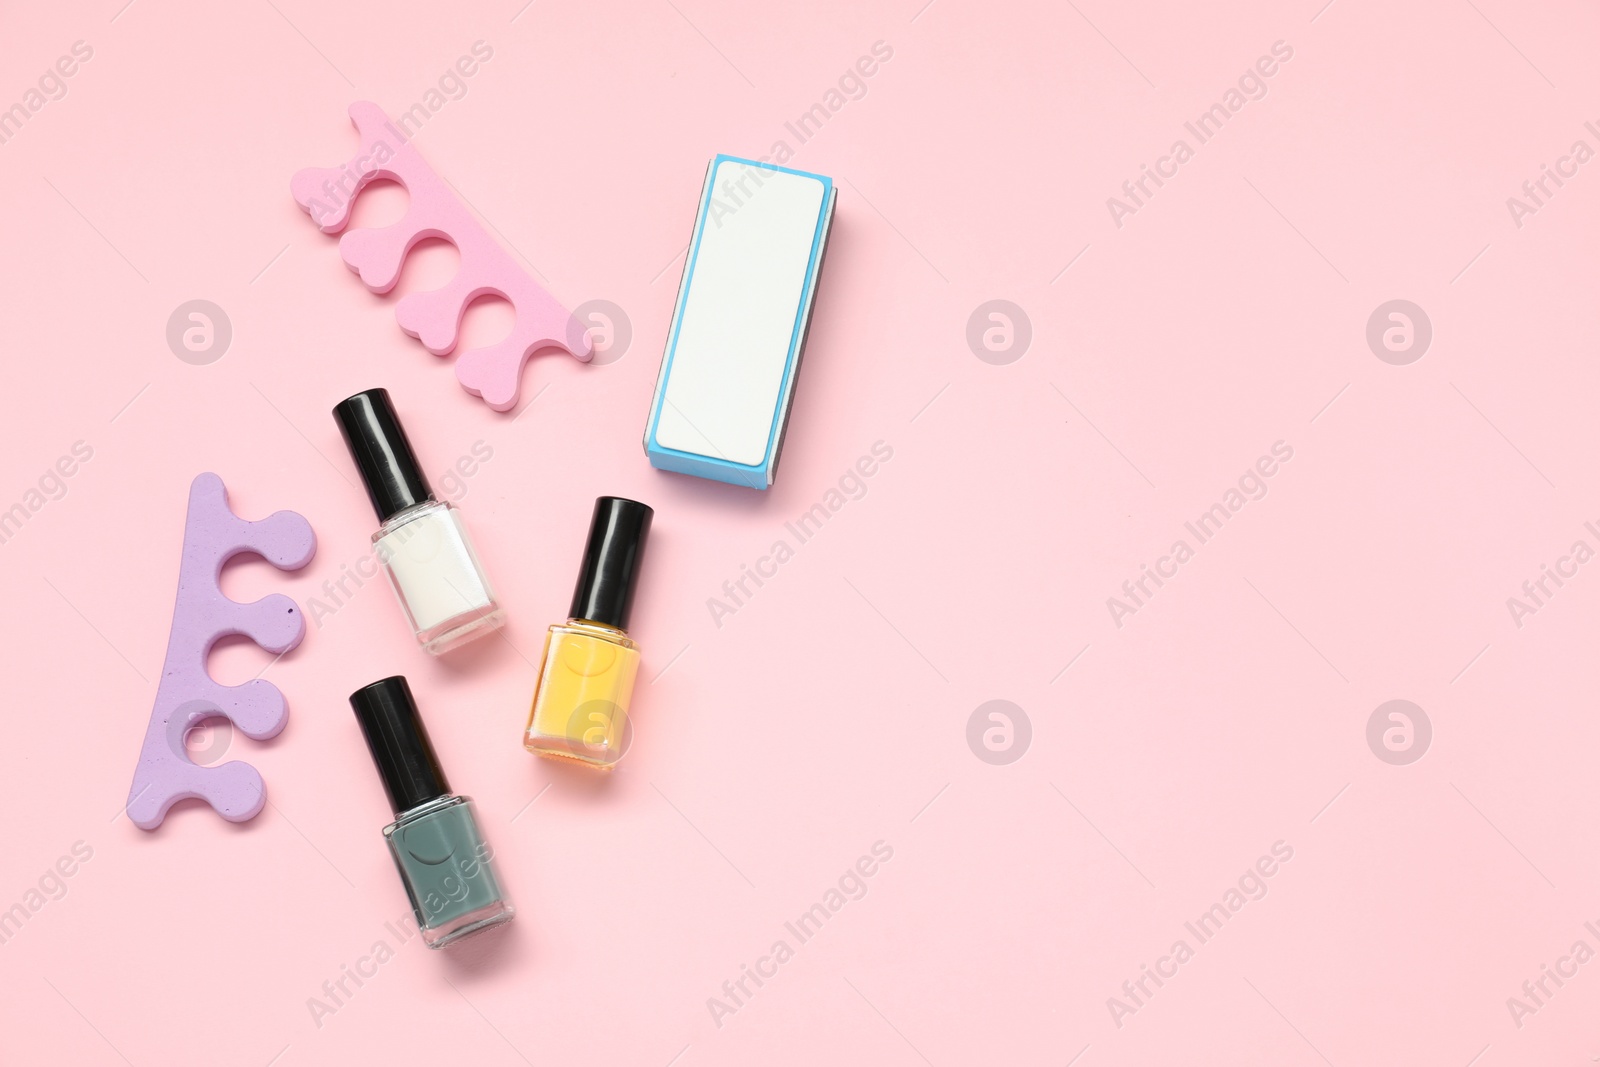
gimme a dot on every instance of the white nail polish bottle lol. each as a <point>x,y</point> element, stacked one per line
<point>421,543</point>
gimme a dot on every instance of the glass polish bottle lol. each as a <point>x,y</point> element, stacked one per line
<point>421,543</point>
<point>444,862</point>
<point>580,702</point>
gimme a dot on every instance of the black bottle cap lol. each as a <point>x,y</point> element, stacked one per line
<point>611,561</point>
<point>382,452</point>
<point>399,743</point>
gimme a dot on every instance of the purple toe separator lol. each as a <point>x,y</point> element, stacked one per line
<point>212,535</point>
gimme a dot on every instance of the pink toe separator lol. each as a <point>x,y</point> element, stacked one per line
<point>434,318</point>
<point>188,695</point>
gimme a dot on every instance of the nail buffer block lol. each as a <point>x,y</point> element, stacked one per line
<point>727,379</point>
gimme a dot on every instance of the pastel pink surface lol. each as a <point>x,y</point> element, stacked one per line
<point>830,710</point>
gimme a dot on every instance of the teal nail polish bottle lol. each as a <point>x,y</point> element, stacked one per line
<point>444,861</point>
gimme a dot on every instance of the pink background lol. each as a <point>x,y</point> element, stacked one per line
<point>830,711</point>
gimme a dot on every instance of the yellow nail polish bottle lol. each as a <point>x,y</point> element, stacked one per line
<point>580,702</point>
